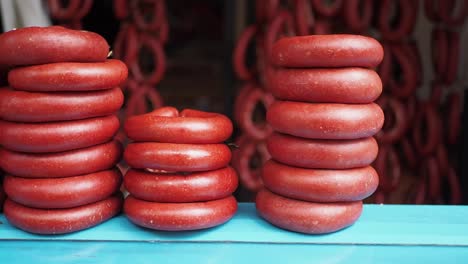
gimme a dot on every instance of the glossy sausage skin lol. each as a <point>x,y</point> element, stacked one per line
<point>306,217</point>
<point>61,164</point>
<point>57,136</point>
<point>28,107</point>
<point>62,221</point>
<point>40,45</point>
<point>189,127</point>
<point>325,121</point>
<point>69,76</point>
<point>57,193</point>
<point>177,157</point>
<point>322,154</point>
<point>180,216</point>
<point>323,51</point>
<point>315,185</point>
<point>345,85</point>
<point>179,188</point>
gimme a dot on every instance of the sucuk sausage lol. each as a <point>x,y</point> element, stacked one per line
<point>62,221</point>
<point>358,14</point>
<point>57,193</point>
<point>61,164</point>
<point>327,9</point>
<point>340,50</point>
<point>392,131</point>
<point>177,157</point>
<point>315,185</point>
<point>180,216</point>
<point>343,85</point>
<point>325,120</point>
<point>57,136</point>
<point>22,106</point>
<point>69,76</point>
<point>180,188</point>
<point>306,217</point>
<point>322,154</point>
<point>189,126</point>
<point>40,45</point>
<point>407,14</point>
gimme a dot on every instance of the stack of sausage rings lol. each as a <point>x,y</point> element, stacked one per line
<point>57,127</point>
<point>324,120</point>
<point>179,177</point>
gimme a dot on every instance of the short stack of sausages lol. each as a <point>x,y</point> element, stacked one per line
<point>324,121</point>
<point>180,177</point>
<point>57,127</point>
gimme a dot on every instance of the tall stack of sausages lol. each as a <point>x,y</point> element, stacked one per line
<point>179,177</point>
<point>56,129</point>
<point>324,120</point>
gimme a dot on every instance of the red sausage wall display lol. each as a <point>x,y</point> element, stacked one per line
<point>179,177</point>
<point>57,124</point>
<point>324,123</point>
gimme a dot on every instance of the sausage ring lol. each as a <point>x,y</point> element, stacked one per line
<point>126,44</point>
<point>29,107</point>
<point>447,16</point>
<point>387,158</point>
<point>62,164</point>
<point>177,157</point>
<point>327,10</point>
<point>63,13</point>
<point>428,115</point>
<point>61,221</point>
<point>407,19</point>
<point>409,71</point>
<point>343,85</point>
<point>325,121</point>
<point>63,192</point>
<point>358,19</point>
<point>409,153</point>
<point>453,57</point>
<point>255,130</point>
<point>394,131</point>
<point>322,154</point>
<point>454,118</point>
<point>189,126</point>
<point>180,216</point>
<point>320,185</point>
<point>306,217</point>
<point>179,188</point>
<point>281,26</point>
<point>240,53</point>
<point>339,50</point>
<point>57,136</point>
<point>440,50</point>
<point>157,14</point>
<point>40,45</point>
<point>159,61</point>
<point>69,76</point>
<point>240,98</point>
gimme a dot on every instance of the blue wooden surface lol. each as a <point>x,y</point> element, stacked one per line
<point>384,234</point>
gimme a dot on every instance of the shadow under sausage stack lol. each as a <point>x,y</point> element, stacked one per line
<point>324,122</point>
<point>57,127</point>
<point>179,177</point>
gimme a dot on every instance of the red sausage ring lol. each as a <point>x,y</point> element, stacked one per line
<point>121,9</point>
<point>340,85</point>
<point>61,221</point>
<point>177,157</point>
<point>442,159</point>
<point>306,217</point>
<point>388,159</point>
<point>63,13</point>
<point>126,44</point>
<point>83,10</point>
<point>136,104</point>
<point>41,45</point>
<point>327,10</point>
<point>281,26</point>
<point>250,177</point>
<point>60,193</point>
<point>240,54</point>
<point>157,14</point>
<point>303,17</point>
<point>409,153</point>
<point>440,50</point>
<point>453,57</point>
<point>320,185</point>
<point>454,118</point>
<point>240,98</point>
<point>356,19</point>
<point>29,107</point>
<point>69,76</point>
<point>408,14</point>
<point>57,136</point>
<point>325,121</point>
<point>322,154</point>
<point>395,131</point>
<point>180,216</point>
<point>407,87</point>
<point>159,60</point>
<point>260,130</point>
<point>385,68</point>
<point>340,50</point>
<point>189,126</point>
<point>62,164</point>
<point>178,188</point>
<point>429,116</point>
